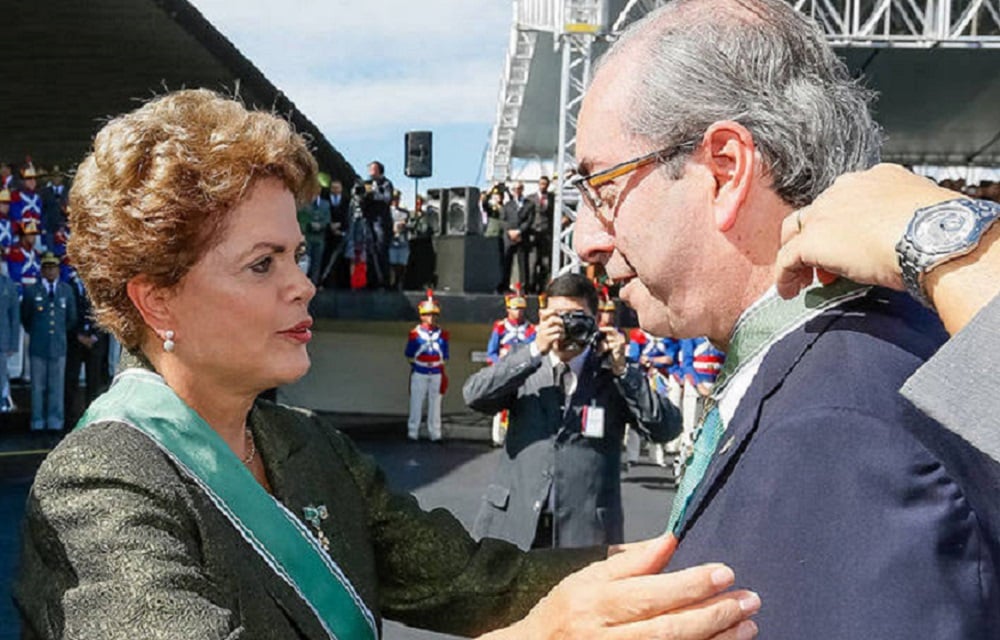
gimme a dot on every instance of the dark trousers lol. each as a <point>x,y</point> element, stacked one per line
<point>545,535</point>
<point>520,250</point>
<point>94,360</point>
<point>541,258</point>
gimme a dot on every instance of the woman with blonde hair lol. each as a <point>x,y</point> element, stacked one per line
<point>183,507</point>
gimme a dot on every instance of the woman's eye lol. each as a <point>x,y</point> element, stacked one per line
<point>262,266</point>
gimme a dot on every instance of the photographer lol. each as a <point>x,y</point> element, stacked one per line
<point>569,395</point>
<point>378,215</point>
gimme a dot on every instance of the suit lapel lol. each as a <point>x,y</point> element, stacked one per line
<point>777,364</point>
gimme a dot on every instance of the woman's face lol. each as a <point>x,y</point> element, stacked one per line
<point>241,313</point>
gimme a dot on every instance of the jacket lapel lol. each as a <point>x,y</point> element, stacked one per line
<point>777,364</point>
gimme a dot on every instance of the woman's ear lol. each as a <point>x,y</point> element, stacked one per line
<point>152,302</point>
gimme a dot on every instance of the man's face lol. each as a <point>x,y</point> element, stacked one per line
<point>50,272</point>
<point>543,185</point>
<point>515,315</point>
<point>336,188</point>
<point>519,190</point>
<point>373,171</point>
<point>4,209</point>
<point>560,304</point>
<point>28,240</point>
<point>30,184</point>
<point>660,241</point>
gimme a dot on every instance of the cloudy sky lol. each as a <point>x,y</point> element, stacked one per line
<point>367,71</point>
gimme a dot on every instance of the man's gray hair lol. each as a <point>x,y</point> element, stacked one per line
<point>759,63</point>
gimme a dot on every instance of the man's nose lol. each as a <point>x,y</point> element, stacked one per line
<point>592,240</point>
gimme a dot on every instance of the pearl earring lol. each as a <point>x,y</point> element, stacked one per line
<point>168,343</point>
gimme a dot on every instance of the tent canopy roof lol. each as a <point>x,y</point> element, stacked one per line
<point>75,64</point>
<point>936,106</point>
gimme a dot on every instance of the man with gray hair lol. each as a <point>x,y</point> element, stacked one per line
<point>853,514</point>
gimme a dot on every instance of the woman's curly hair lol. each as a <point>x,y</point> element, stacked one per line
<point>156,192</point>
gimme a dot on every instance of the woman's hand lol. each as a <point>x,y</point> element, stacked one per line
<point>625,597</point>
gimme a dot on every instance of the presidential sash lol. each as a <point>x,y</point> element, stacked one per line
<point>142,400</point>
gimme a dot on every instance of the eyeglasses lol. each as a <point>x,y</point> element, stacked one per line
<point>589,186</point>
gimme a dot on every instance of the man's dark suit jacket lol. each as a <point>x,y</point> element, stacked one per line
<point>850,512</point>
<point>518,217</point>
<point>545,447</point>
<point>118,544</point>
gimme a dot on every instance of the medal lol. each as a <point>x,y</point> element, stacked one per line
<point>314,516</point>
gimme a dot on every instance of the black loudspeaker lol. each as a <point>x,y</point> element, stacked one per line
<point>469,264</point>
<point>463,217</point>
<point>418,154</point>
<point>435,207</point>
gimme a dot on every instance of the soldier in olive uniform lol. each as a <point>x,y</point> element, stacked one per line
<point>47,310</point>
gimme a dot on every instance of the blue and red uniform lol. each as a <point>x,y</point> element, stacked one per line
<point>24,266</point>
<point>707,362</point>
<point>26,205</point>
<point>427,349</point>
<point>505,336</point>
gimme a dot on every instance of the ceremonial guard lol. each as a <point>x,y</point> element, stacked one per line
<point>10,337</point>
<point>48,309</point>
<point>26,202</point>
<point>427,351</point>
<point>6,226</point>
<point>657,357</point>
<point>605,308</point>
<point>23,259</point>
<point>507,334</point>
<point>699,366</point>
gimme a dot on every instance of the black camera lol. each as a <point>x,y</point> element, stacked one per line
<point>580,328</point>
<point>359,189</point>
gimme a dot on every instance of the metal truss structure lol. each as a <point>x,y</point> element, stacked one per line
<point>580,25</point>
<point>520,51</point>
<point>577,24</point>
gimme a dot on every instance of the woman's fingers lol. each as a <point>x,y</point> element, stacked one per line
<point>724,617</point>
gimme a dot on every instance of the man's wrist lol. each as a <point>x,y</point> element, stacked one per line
<point>960,288</point>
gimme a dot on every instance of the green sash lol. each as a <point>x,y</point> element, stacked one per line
<point>142,400</point>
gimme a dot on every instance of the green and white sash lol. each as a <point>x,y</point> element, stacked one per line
<point>142,400</point>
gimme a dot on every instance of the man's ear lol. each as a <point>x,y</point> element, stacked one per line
<point>152,303</point>
<point>730,158</point>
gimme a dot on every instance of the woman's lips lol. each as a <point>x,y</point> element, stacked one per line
<point>300,333</point>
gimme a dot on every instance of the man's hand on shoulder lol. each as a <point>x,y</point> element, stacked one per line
<point>852,228</point>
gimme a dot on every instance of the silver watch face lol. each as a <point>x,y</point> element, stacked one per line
<point>944,229</point>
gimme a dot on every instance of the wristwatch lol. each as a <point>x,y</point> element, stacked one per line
<point>939,233</point>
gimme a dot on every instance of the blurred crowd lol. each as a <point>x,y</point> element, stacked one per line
<point>47,333</point>
<point>984,190</point>
<point>364,237</point>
